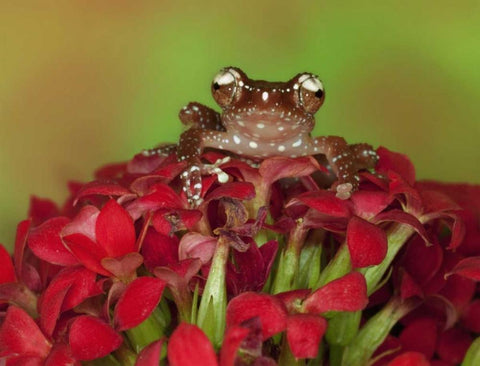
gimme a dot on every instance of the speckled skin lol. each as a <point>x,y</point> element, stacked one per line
<point>261,119</point>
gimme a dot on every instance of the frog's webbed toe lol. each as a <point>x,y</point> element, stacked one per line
<point>192,178</point>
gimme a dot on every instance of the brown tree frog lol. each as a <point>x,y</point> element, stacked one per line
<point>262,119</point>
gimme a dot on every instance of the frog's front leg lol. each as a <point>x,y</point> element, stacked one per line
<point>191,145</point>
<point>345,161</point>
<point>200,116</point>
<point>194,115</point>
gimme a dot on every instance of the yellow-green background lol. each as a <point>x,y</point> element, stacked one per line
<point>83,83</point>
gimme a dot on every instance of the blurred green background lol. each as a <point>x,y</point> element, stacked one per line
<point>84,83</point>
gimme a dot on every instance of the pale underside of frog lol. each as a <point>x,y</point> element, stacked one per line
<point>261,119</point>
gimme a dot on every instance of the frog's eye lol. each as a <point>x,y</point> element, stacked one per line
<point>311,92</point>
<point>224,86</point>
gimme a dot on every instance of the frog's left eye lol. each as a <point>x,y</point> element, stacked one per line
<point>224,86</point>
<point>311,92</point>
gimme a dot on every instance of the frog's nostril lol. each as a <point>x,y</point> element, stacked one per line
<point>216,86</point>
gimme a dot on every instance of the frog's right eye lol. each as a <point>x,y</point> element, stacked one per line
<point>224,86</point>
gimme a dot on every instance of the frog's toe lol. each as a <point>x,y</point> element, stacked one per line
<point>192,185</point>
<point>344,190</point>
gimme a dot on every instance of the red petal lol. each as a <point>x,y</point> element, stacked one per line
<point>137,302</point>
<point>81,282</point>
<point>367,243</point>
<point>188,345</point>
<point>409,359</point>
<point>20,335</point>
<point>324,202</point>
<point>420,336</point>
<point>159,250</point>
<point>231,343</point>
<point>367,204</point>
<point>25,361</point>
<point>20,243</point>
<point>291,298</point>
<point>251,268</point>
<point>41,210</point>
<point>114,230</point>
<point>404,218</point>
<point>393,161</point>
<point>195,245</point>
<point>304,333</point>
<point>60,355</point>
<point>163,197</point>
<point>279,167</point>
<point>408,287</point>
<point>46,244</point>
<point>167,221</point>
<point>88,252</point>
<point>91,338</point>
<point>422,262</point>
<point>103,188</point>
<point>458,290</point>
<point>124,267</point>
<point>7,272</point>
<point>347,293</point>
<point>83,223</point>
<point>237,190</point>
<point>150,355</point>
<point>49,308</point>
<point>398,186</point>
<point>178,274</point>
<point>453,344</point>
<point>471,317</point>
<point>248,305</point>
<point>110,171</point>
<point>435,201</point>
<point>468,267</point>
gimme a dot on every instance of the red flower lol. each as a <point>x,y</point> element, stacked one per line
<point>271,255</point>
<point>94,235</point>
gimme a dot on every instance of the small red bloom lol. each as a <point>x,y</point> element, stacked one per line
<point>93,237</point>
<point>248,305</point>
<point>304,333</point>
<point>188,345</point>
<point>91,338</point>
<point>409,359</point>
<point>20,336</point>
<point>137,302</point>
<point>367,243</point>
<point>348,293</point>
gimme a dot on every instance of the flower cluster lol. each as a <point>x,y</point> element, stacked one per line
<point>270,269</point>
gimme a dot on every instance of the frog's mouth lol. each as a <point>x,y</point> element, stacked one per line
<point>268,126</point>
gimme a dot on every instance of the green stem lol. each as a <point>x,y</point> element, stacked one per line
<point>397,235</point>
<point>125,356</point>
<point>286,357</point>
<point>374,332</point>
<point>285,278</point>
<point>339,266</point>
<point>212,310</point>
<point>472,357</point>
<point>150,330</point>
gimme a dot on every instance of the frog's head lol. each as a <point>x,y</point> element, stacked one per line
<point>273,110</point>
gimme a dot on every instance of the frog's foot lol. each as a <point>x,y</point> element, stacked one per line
<point>163,150</point>
<point>364,155</point>
<point>344,190</point>
<point>192,178</point>
<point>201,116</point>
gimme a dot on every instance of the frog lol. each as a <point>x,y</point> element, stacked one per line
<point>262,119</point>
